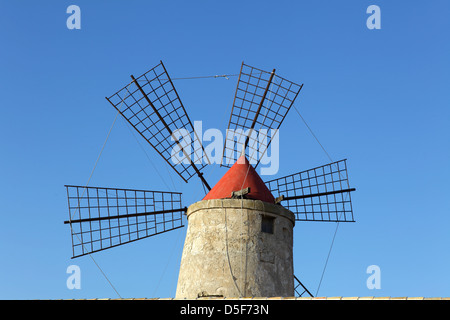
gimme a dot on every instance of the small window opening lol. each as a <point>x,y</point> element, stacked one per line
<point>267,224</point>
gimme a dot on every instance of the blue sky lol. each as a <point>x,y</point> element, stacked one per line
<point>379,98</point>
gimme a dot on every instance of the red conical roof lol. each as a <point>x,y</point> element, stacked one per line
<point>240,176</point>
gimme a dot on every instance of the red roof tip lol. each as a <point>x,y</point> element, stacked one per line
<point>240,176</point>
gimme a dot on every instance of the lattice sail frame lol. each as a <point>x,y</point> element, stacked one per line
<point>102,218</point>
<point>318,194</point>
<point>262,101</point>
<point>151,104</point>
<point>300,289</point>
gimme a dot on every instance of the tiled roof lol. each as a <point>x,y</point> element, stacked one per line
<point>240,176</point>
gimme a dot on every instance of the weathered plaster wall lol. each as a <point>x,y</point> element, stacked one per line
<point>226,253</point>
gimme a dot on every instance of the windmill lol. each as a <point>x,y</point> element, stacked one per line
<point>241,243</point>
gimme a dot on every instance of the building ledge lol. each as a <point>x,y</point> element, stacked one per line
<point>288,298</point>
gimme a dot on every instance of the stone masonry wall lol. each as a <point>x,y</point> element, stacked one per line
<point>226,254</point>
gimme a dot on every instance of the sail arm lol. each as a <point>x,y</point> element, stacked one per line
<point>318,194</point>
<point>102,218</point>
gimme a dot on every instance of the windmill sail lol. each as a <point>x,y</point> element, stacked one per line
<point>102,218</point>
<point>261,102</point>
<point>150,103</point>
<point>300,289</point>
<point>318,194</point>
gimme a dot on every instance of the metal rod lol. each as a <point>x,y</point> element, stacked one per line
<point>119,244</point>
<point>200,175</point>
<point>126,215</point>
<point>317,194</point>
<point>258,110</point>
<point>114,189</point>
<point>70,215</point>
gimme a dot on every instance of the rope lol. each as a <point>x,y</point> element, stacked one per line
<point>328,256</point>
<point>90,176</point>
<point>148,157</point>
<point>304,121</point>
<point>337,223</point>
<point>167,264</point>
<point>228,254</point>
<point>226,76</point>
